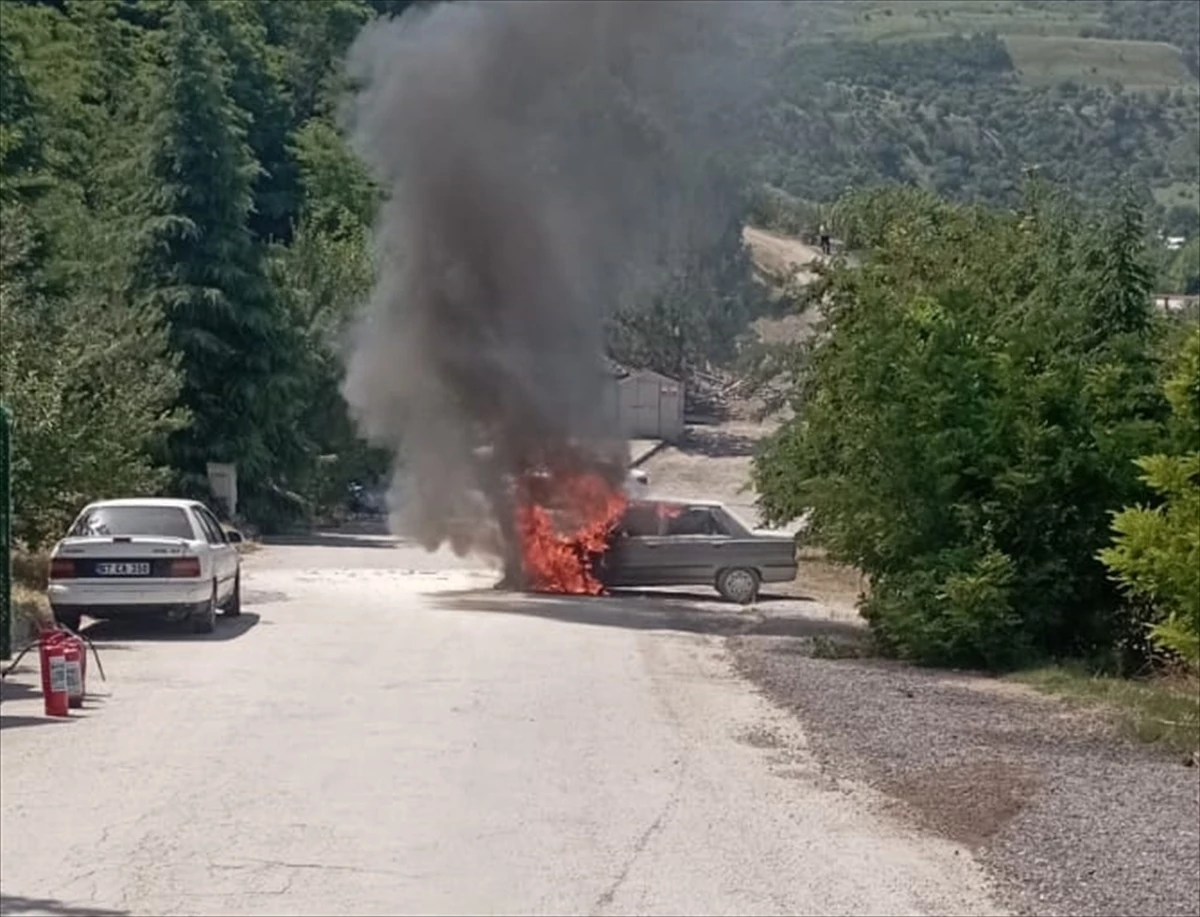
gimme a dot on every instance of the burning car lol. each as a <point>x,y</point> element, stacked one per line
<point>693,543</point>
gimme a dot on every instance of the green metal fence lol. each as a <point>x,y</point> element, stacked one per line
<point>5,533</point>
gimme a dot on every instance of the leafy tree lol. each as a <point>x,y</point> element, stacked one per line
<point>201,267</point>
<point>90,391</point>
<point>322,278</point>
<point>966,419</point>
<point>1156,552</point>
<point>256,87</point>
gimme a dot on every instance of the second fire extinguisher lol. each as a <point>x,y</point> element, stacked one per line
<point>53,655</point>
<point>74,660</point>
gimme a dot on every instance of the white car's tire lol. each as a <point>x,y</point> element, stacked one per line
<point>739,584</point>
<point>205,621</point>
<point>233,607</point>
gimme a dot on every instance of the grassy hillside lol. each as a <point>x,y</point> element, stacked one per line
<point>963,96</point>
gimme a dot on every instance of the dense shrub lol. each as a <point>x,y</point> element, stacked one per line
<point>967,419</point>
<point>1156,555</point>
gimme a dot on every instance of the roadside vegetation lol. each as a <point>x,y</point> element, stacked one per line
<point>1162,711</point>
<point>995,425</point>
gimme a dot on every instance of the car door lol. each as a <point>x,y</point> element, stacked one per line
<point>224,555</point>
<point>692,547</point>
<point>231,560</point>
<point>634,555</point>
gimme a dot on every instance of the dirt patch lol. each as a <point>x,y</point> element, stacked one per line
<point>968,803</point>
<point>777,255</point>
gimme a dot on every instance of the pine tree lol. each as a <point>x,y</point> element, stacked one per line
<point>200,264</point>
<point>256,87</point>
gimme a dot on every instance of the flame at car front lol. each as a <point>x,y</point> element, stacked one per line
<point>565,524</point>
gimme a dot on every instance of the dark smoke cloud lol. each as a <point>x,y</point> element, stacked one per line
<point>543,161</point>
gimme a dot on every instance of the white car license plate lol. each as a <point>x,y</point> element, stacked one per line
<point>123,569</point>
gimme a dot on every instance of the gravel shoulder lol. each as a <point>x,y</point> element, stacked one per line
<point>1067,817</point>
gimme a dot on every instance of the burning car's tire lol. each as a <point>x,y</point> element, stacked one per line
<point>738,584</point>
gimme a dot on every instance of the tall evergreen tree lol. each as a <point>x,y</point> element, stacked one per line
<point>256,86</point>
<point>200,264</point>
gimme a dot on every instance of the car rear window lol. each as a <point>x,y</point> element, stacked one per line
<point>164,521</point>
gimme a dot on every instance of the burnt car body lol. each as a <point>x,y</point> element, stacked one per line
<point>666,542</point>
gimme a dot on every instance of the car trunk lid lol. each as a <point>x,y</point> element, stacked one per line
<point>118,557</point>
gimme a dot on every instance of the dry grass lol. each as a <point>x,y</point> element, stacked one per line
<point>30,607</point>
<point>31,569</point>
<point>1140,65</point>
<point>777,255</point>
<point>31,612</point>
<point>1162,711</point>
<point>835,586</point>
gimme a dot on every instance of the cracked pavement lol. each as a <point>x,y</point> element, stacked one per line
<point>382,733</point>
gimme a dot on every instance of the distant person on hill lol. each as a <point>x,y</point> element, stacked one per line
<point>824,233</point>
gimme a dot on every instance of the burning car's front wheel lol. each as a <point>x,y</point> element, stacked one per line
<point>738,585</point>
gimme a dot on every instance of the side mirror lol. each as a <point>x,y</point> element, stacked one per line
<point>234,536</point>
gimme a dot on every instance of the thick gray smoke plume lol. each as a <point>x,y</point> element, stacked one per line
<point>543,161</point>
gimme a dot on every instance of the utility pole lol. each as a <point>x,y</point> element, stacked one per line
<point>5,533</point>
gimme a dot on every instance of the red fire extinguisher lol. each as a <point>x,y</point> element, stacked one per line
<point>53,651</point>
<point>73,654</point>
<point>63,655</point>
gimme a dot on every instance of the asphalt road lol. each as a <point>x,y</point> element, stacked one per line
<point>382,733</point>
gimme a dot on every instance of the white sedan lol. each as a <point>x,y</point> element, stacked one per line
<point>167,558</point>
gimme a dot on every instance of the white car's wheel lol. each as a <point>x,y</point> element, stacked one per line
<point>233,607</point>
<point>206,621</point>
<point>738,584</point>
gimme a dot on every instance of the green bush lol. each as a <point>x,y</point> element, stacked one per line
<point>1156,551</point>
<point>967,419</point>
<point>91,394</point>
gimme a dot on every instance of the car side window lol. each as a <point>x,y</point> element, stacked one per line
<point>697,520</point>
<point>218,530</point>
<point>212,532</point>
<point>641,520</point>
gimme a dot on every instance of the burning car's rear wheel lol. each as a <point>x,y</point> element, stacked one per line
<point>738,584</point>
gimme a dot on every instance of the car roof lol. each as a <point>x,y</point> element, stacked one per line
<point>145,501</point>
<point>682,501</point>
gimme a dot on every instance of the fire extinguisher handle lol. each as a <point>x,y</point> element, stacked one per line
<point>88,640</point>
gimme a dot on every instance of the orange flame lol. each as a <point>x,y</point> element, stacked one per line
<point>565,529</point>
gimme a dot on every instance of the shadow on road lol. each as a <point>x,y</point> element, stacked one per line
<point>18,690</point>
<point>373,539</point>
<point>113,633</point>
<point>681,595</point>
<point>645,613</point>
<point>717,443</point>
<point>15,904</point>
<point>16,722</point>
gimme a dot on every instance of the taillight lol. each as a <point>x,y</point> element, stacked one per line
<point>62,568</point>
<point>185,566</point>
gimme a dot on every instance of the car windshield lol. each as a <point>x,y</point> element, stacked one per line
<point>166,521</point>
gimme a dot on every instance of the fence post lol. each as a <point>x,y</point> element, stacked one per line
<point>6,623</point>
